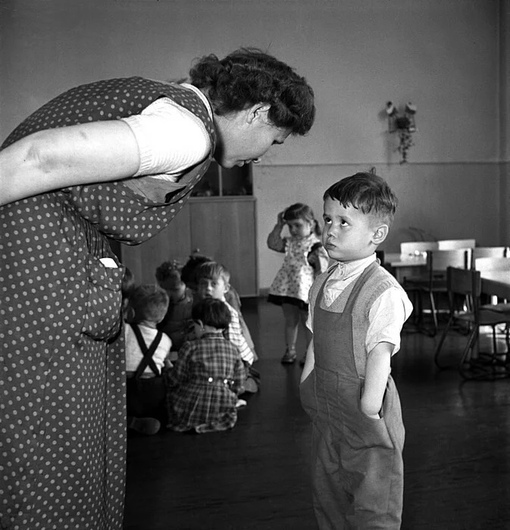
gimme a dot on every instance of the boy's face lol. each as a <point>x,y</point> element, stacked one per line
<point>209,288</point>
<point>348,233</point>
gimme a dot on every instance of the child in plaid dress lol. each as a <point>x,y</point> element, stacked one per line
<point>203,384</point>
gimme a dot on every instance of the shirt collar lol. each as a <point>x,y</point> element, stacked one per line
<point>344,271</point>
<point>201,95</point>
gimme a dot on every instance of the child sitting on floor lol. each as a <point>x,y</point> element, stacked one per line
<point>177,320</point>
<point>202,386</point>
<point>213,281</point>
<point>147,350</point>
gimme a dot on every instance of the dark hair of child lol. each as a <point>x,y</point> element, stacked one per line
<point>168,270</point>
<point>188,272</point>
<point>212,271</point>
<point>150,303</point>
<point>366,192</point>
<point>212,312</point>
<point>302,211</point>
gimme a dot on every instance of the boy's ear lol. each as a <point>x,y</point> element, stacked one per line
<point>380,234</point>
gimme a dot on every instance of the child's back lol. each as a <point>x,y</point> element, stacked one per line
<point>205,379</point>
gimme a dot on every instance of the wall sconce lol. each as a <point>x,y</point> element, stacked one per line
<point>403,123</point>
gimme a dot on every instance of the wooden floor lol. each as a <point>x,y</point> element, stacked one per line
<point>457,452</point>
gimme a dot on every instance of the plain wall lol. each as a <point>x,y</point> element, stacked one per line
<point>448,58</point>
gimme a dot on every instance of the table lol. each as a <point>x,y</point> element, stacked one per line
<point>496,283</point>
<point>405,266</point>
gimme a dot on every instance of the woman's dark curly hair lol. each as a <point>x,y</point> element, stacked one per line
<point>248,76</point>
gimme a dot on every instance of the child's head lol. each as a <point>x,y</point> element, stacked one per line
<point>169,279</point>
<point>358,212</point>
<point>212,312</point>
<point>212,281</point>
<point>301,221</point>
<point>150,303</point>
<point>188,272</point>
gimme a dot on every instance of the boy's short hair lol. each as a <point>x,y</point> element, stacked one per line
<point>150,302</point>
<point>366,192</point>
<point>167,274</point>
<point>212,312</point>
<point>189,270</point>
<point>211,270</point>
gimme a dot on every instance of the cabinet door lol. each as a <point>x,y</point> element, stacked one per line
<point>225,230</point>
<point>173,243</point>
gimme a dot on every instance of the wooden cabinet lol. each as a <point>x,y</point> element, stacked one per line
<point>220,227</point>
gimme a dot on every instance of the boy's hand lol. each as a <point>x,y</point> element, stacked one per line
<point>280,219</point>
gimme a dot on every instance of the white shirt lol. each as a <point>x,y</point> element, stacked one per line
<point>134,354</point>
<point>387,314</point>
<point>170,138</point>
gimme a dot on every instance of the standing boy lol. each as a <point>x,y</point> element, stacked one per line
<point>357,310</point>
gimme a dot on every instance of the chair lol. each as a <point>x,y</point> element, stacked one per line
<point>487,252</point>
<point>453,244</point>
<point>433,283</point>
<point>464,289</point>
<point>494,264</point>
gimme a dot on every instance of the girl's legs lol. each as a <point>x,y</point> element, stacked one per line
<point>291,314</point>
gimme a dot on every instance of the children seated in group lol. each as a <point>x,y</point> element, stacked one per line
<point>176,323</point>
<point>147,351</point>
<point>203,385</point>
<point>213,281</point>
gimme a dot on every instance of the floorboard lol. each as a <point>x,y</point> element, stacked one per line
<point>457,452</point>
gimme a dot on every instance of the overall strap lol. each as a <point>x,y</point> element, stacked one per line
<point>147,352</point>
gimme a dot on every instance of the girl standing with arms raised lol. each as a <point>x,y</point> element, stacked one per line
<point>304,259</point>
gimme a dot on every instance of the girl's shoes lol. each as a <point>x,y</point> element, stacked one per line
<point>289,357</point>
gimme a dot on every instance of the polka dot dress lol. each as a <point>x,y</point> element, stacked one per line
<point>62,388</point>
<point>295,276</point>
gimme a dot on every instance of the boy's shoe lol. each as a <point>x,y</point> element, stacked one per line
<point>289,357</point>
<point>240,403</point>
<point>148,426</point>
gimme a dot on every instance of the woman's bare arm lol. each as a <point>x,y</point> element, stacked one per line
<point>68,156</point>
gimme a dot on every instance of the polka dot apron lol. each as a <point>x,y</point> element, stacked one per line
<point>62,387</point>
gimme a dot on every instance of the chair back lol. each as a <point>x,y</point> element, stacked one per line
<point>440,260</point>
<point>409,248</point>
<point>464,289</point>
<point>492,264</point>
<point>452,244</point>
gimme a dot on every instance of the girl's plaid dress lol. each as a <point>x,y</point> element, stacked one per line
<point>203,385</point>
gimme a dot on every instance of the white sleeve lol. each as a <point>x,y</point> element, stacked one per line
<point>387,316</point>
<point>170,138</point>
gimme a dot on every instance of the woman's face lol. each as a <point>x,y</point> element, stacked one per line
<point>245,136</point>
